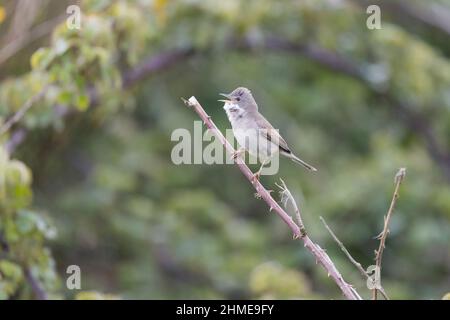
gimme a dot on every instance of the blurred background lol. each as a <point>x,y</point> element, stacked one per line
<point>86,176</point>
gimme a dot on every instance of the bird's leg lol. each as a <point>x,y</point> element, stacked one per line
<point>237,153</point>
<point>258,173</point>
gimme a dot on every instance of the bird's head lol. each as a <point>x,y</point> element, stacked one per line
<point>242,97</point>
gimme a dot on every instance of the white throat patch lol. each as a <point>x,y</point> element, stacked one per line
<point>234,112</point>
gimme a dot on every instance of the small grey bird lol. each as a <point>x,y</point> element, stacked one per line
<point>253,132</point>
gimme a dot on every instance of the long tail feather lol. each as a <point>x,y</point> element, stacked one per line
<point>300,161</point>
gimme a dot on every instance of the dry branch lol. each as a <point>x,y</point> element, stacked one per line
<point>286,196</point>
<point>321,257</point>
<point>379,253</point>
<point>349,256</point>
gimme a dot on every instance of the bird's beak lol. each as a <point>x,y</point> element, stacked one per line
<point>226,96</point>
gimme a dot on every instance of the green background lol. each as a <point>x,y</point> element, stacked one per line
<point>93,184</point>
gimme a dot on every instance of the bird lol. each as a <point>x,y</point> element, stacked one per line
<point>253,132</point>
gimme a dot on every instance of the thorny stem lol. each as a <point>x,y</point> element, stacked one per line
<point>349,256</point>
<point>379,253</point>
<point>320,255</point>
<point>286,195</point>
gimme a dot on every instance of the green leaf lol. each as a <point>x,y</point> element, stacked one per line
<point>82,102</point>
<point>10,270</point>
<point>41,58</point>
<point>65,97</point>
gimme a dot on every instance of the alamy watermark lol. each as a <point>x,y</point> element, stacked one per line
<point>374,20</point>
<point>74,19</point>
<point>374,277</point>
<point>73,281</point>
<point>203,147</point>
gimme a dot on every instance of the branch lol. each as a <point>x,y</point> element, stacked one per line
<point>21,112</point>
<point>36,287</point>
<point>320,255</point>
<point>154,64</point>
<point>286,196</point>
<point>349,256</point>
<point>379,253</point>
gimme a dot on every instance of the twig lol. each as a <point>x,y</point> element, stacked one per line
<point>286,195</point>
<point>21,112</point>
<point>379,253</point>
<point>320,255</point>
<point>349,256</point>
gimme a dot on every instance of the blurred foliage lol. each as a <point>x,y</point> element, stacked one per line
<point>141,227</point>
<point>22,232</point>
<point>93,295</point>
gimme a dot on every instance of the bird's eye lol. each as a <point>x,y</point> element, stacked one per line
<point>238,99</point>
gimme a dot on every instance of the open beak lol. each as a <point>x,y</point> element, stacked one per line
<point>226,96</point>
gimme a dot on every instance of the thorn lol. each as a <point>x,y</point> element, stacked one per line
<point>302,231</point>
<point>295,237</point>
<point>257,195</point>
<point>186,102</point>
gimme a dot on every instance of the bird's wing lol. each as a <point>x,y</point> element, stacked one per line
<point>271,134</point>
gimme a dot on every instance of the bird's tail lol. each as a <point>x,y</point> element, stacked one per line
<point>300,161</point>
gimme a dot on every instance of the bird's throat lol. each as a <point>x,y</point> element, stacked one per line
<point>234,112</point>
